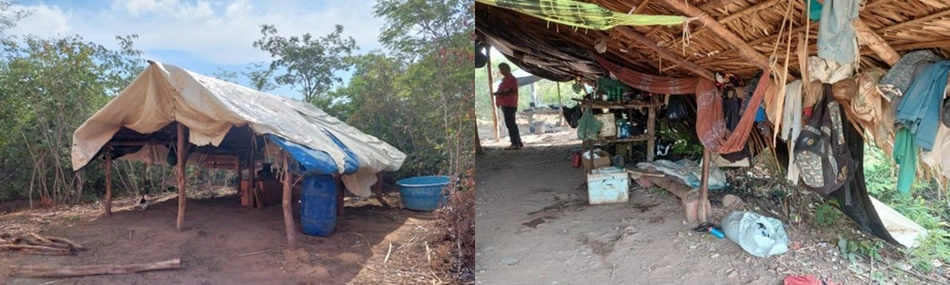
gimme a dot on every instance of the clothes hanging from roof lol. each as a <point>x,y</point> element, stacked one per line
<point>837,39</point>
<point>816,9</point>
<point>919,111</point>
<point>905,154</point>
<point>898,78</point>
<point>938,158</point>
<point>792,125</point>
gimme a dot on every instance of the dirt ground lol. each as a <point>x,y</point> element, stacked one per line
<point>218,231</point>
<point>535,226</point>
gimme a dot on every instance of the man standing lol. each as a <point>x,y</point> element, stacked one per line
<point>507,99</point>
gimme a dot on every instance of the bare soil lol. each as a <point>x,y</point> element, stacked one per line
<point>218,231</point>
<point>535,226</point>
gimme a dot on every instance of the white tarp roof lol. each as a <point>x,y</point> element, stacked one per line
<point>209,107</point>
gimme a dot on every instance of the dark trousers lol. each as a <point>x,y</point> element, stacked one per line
<point>513,134</point>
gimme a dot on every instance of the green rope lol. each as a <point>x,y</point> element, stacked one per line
<point>581,15</point>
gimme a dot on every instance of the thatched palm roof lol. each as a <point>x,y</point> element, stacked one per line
<point>559,52</point>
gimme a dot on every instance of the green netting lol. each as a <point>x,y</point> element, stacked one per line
<point>582,15</point>
<point>588,127</point>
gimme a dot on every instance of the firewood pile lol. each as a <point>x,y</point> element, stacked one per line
<point>37,244</point>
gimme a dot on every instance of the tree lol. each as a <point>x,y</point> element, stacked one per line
<point>48,87</point>
<point>305,62</point>
<point>258,76</point>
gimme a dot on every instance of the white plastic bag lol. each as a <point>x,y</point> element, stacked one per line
<point>756,234</point>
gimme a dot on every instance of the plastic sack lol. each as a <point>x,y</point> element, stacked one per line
<point>758,235</point>
<point>588,127</point>
<point>676,110</point>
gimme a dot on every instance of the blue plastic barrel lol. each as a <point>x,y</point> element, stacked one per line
<point>422,193</point>
<point>318,205</point>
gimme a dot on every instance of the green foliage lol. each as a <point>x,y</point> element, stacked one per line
<point>850,249</point>
<point>921,207</point>
<point>48,87</point>
<point>305,62</point>
<point>827,214</point>
<point>686,143</point>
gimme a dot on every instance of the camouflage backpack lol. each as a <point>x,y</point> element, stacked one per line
<point>821,151</point>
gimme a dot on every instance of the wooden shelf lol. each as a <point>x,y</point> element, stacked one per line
<point>601,104</point>
<point>640,138</point>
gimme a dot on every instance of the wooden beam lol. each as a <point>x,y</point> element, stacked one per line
<point>726,19</point>
<point>288,209</point>
<point>182,159</point>
<point>716,4</point>
<point>928,18</point>
<point>639,8</point>
<point>874,41</point>
<point>39,271</point>
<point>744,50</point>
<point>108,204</point>
<point>921,45</point>
<point>667,54</point>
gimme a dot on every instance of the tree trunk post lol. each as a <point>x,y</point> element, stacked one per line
<point>108,204</point>
<point>704,186</point>
<point>288,209</point>
<point>252,184</point>
<point>181,175</point>
<point>494,112</point>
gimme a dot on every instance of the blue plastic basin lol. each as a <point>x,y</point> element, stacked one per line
<point>423,193</point>
<point>318,205</point>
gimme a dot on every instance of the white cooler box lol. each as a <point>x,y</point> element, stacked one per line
<point>608,185</point>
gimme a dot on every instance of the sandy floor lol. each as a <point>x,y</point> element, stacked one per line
<point>217,232</point>
<point>535,226</point>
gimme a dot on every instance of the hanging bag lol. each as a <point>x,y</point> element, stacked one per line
<point>821,151</point>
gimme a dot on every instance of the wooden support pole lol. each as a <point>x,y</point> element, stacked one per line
<point>667,54</point>
<point>288,209</point>
<point>182,159</point>
<point>745,51</point>
<point>491,91</point>
<point>704,187</point>
<point>378,190</point>
<point>340,188</point>
<point>874,41</point>
<point>252,183</point>
<point>560,103</point>
<point>37,271</point>
<point>108,204</point>
<point>651,130</point>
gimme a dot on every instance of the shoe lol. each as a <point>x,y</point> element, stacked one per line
<point>514,147</point>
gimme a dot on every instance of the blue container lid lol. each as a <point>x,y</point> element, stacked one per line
<point>424,181</point>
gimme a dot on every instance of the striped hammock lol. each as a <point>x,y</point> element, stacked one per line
<point>581,15</point>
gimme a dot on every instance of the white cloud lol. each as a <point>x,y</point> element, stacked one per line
<point>219,32</point>
<point>45,21</point>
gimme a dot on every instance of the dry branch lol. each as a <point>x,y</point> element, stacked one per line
<point>86,270</point>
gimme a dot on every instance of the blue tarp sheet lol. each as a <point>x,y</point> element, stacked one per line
<point>311,161</point>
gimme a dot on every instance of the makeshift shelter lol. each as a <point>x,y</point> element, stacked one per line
<point>703,40</point>
<point>227,126</point>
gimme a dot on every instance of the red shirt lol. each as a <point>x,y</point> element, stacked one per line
<point>509,99</point>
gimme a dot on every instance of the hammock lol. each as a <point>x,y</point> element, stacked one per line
<point>581,15</point>
<point>711,129</point>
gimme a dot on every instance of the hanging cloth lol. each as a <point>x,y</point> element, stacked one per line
<point>837,39</point>
<point>898,78</point>
<point>905,154</point>
<point>792,125</point>
<point>582,15</point>
<point>712,133</point>
<point>919,111</point>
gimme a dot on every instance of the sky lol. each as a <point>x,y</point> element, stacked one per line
<point>201,35</point>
